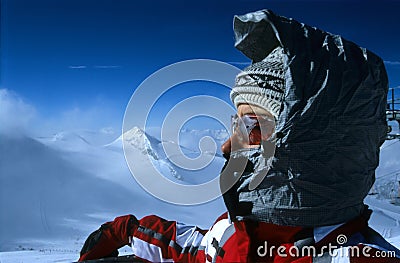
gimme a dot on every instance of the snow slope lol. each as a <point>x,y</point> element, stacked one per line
<point>55,190</point>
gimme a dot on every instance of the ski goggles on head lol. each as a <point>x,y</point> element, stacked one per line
<point>252,129</point>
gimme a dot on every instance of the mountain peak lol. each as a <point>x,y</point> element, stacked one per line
<point>135,132</point>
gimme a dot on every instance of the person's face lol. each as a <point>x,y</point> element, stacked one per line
<point>252,125</point>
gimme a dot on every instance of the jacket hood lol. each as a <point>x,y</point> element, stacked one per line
<point>331,123</point>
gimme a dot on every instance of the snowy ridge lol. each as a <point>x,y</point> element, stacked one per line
<point>146,145</point>
<point>138,139</point>
<point>188,137</point>
<point>77,140</point>
<point>149,145</point>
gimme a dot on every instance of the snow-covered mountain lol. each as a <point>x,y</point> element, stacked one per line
<point>55,190</point>
<point>64,186</point>
<point>78,140</point>
<point>149,145</point>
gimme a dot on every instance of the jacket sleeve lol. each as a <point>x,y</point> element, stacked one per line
<point>152,239</point>
<point>157,240</point>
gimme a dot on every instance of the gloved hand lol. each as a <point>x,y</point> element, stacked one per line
<point>111,236</point>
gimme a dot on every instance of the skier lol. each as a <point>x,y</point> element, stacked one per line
<point>310,121</point>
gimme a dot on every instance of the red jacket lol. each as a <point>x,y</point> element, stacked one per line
<point>154,239</point>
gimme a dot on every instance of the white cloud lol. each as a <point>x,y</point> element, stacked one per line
<point>93,117</point>
<point>95,67</point>
<point>77,67</point>
<point>392,63</point>
<point>16,115</point>
<point>108,130</point>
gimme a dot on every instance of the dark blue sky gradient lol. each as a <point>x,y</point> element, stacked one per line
<point>77,53</point>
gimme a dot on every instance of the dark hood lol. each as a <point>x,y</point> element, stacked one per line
<point>331,124</point>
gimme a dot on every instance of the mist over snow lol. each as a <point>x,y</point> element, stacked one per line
<point>61,188</point>
<point>18,116</point>
<point>58,187</point>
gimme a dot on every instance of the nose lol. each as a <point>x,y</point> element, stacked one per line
<point>226,146</point>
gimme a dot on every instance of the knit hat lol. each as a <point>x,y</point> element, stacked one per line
<point>262,83</point>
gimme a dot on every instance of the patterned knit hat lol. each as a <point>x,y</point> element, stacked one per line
<point>262,83</point>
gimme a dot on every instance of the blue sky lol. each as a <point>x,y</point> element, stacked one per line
<point>77,62</point>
